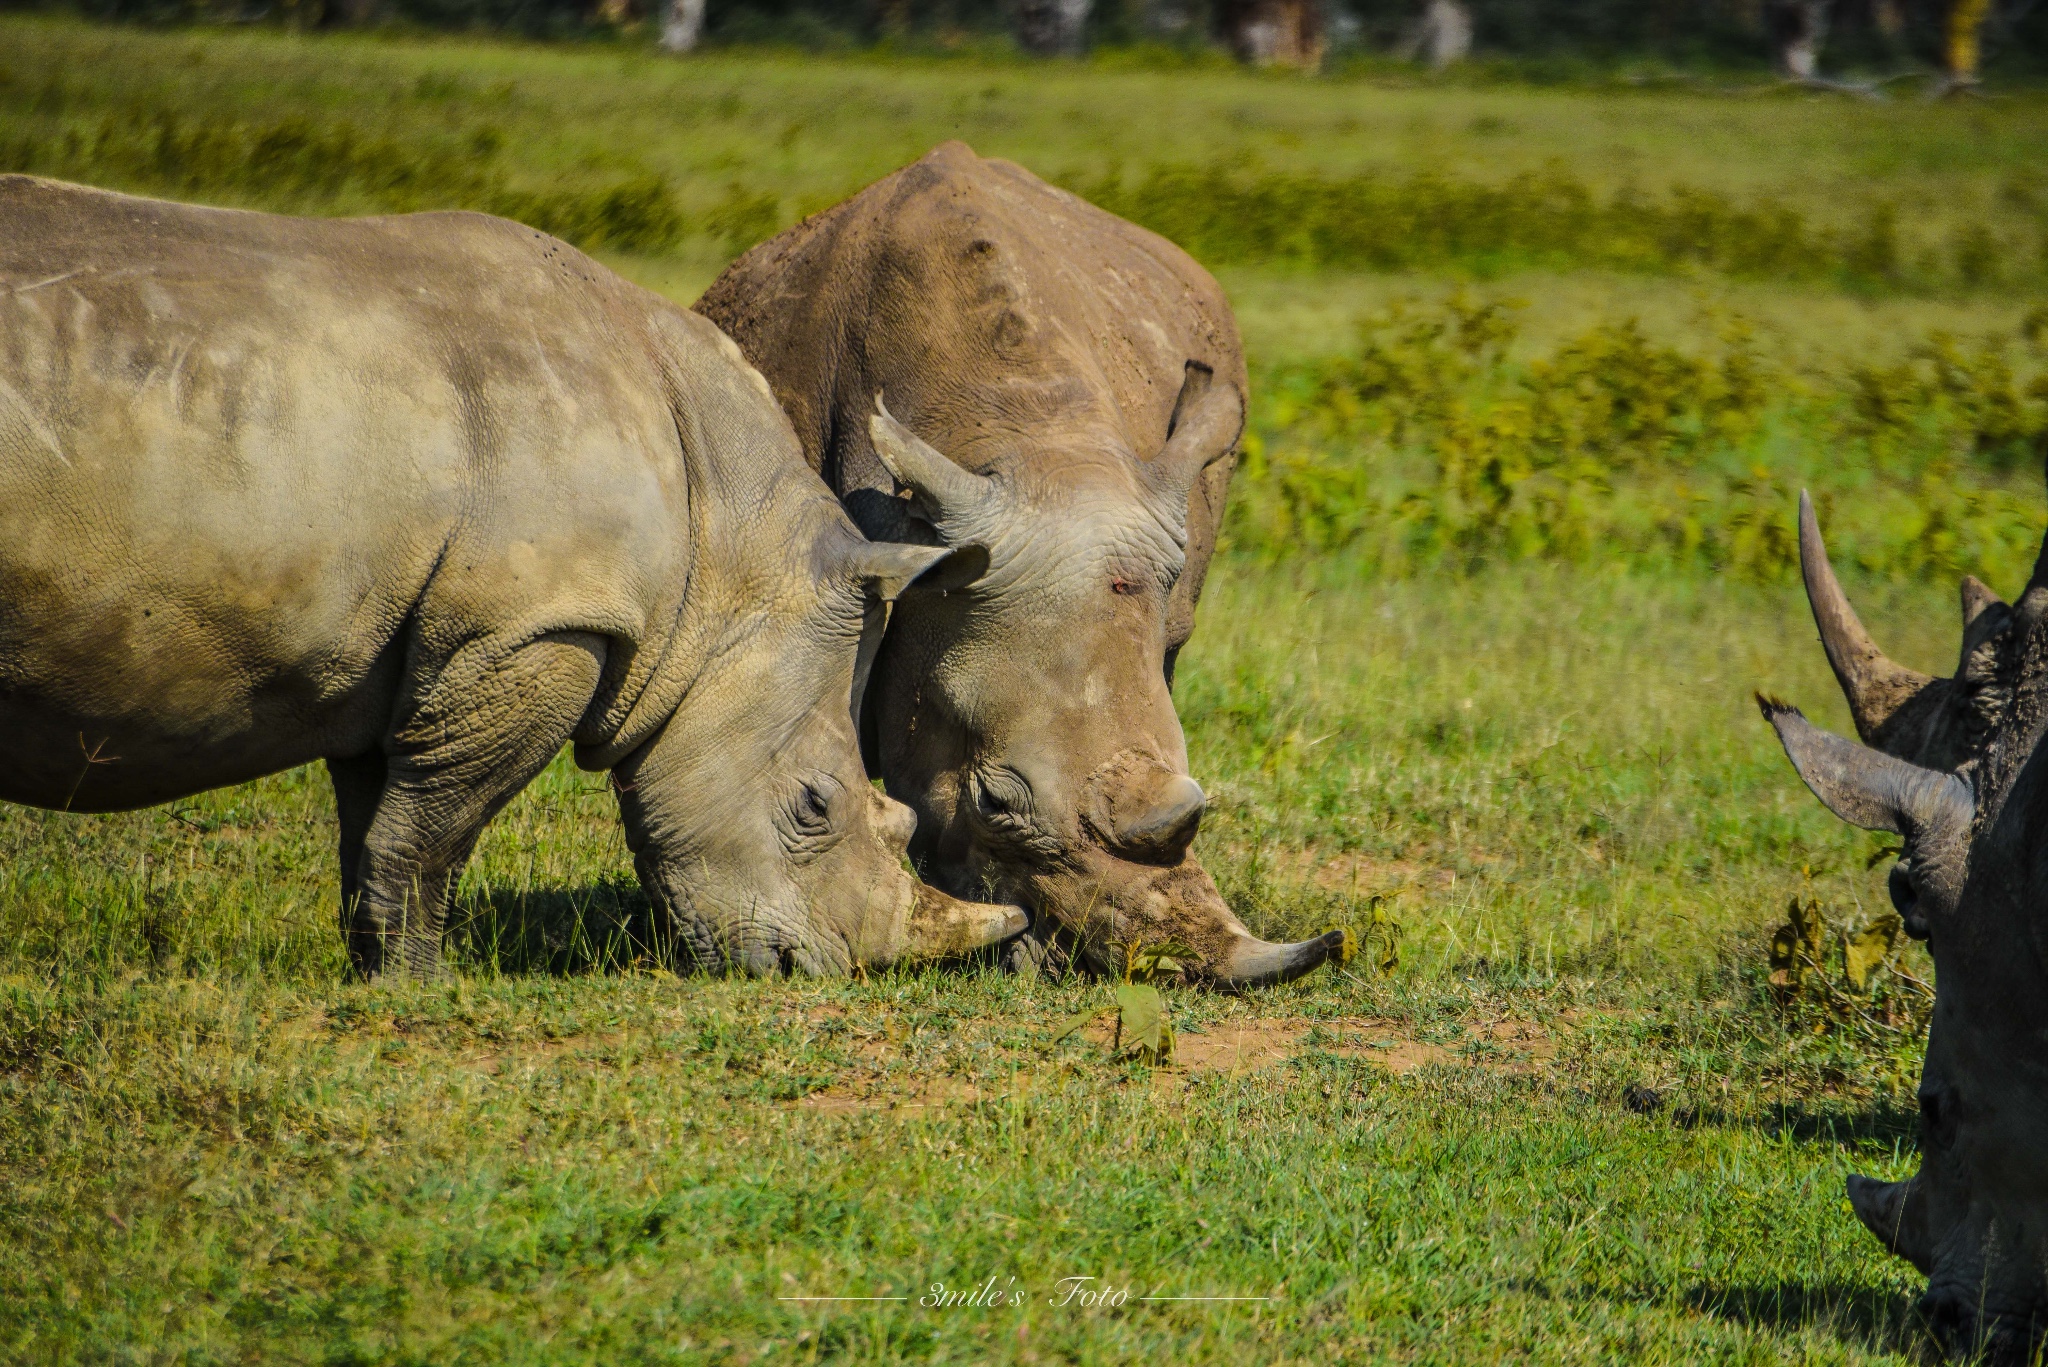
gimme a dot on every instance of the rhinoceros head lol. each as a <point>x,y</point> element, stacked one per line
<point>1935,723</point>
<point>754,827</point>
<point>1024,709</point>
<point>1973,881</point>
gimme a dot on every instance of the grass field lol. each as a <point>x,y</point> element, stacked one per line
<point>1573,1123</point>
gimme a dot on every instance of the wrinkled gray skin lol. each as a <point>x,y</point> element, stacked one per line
<point>1973,881</point>
<point>428,497</point>
<point>976,359</point>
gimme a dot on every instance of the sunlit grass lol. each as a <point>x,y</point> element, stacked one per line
<point>211,1142</point>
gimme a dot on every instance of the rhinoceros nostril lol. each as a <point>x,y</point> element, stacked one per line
<point>1167,826</point>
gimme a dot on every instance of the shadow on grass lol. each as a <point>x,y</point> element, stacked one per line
<point>1884,1123</point>
<point>1866,1317</point>
<point>551,932</point>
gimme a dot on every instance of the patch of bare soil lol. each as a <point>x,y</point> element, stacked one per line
<point>1257,1045</point>
<point>1229,1049</point>
<point>1352,872</point>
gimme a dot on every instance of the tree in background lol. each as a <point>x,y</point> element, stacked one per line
<point>1052,28</point>
<point>682,24</point>
<point>1798,29</point>
<point>1274,32</point>
<point>1442,36</point>
<point>1963,45</point>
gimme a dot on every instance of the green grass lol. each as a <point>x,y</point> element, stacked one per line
<point>1545,771</point>
<point>211,1143</point>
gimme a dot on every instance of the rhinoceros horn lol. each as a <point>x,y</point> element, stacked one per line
<point>1867,787</point>
<point>1892,1211</point>
<point>1207,418</point>
<point>1876,687</point>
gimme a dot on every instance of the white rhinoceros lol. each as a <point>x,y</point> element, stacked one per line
<point>427,497</point>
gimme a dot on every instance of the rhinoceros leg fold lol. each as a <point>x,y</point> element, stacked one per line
<point>470,742</point>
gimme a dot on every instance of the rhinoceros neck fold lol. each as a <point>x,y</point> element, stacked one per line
<point>754,509</point>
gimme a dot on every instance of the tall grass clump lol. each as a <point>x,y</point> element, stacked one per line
<point>1434,443</point>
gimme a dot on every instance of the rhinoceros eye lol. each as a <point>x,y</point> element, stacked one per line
<point>1002,795</point>
<point>1906,899</point>
<point>813,809</point>
<point>809,824</point>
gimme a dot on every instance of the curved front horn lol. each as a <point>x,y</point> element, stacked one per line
<point>1207,418</point>
<point>946,493</point>
<point>1896,1214</point>
<point>1866,787</point>
<point>1876,688</point>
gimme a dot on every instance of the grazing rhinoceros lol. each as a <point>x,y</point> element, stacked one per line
<point>427,497</point>
<point>1067,392</point>
<point>1972,880</point>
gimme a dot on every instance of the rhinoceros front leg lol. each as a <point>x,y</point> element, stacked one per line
<point>461,748</point>
<point>358,783</point>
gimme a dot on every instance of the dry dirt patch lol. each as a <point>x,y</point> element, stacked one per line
<point>1255,1045</point>
<point>1236,1048</point>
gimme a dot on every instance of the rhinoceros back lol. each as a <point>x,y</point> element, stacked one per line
<point>256,472</point>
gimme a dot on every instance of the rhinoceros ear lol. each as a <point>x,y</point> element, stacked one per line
<point>1866,787</point>
<point>889,569</point>
<point>1207,418</point>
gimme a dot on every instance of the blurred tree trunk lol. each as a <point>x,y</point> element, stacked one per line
<point>1799,28</point>
<point>1274,32</point>
<point>1052,28</point>
<point>682,25</point>
<point>1442,36</point>
<point>1963,45</point>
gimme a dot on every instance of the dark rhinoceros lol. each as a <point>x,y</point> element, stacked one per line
<point>1972,880</point>
<point>1059,393</point>
<point>428,497</point>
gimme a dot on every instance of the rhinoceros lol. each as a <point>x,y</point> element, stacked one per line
<point>428,497</point>
<point>1060,395</point>
<point>1971,880</point>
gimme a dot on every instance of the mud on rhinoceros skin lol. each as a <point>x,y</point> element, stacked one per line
<point>1972,880</point>
<point>429,497</point>
<point>975,359</point>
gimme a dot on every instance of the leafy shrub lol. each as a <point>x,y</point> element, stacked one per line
<point>1227,214</point>
<point>1432,445</point>
<point>297,163</point>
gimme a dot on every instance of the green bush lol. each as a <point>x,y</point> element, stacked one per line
<point>298,163</point>
<point>1238,214</point>
<point>1433,446</point>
